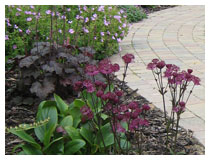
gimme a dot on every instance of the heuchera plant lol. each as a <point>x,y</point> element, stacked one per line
<point>177,84</point>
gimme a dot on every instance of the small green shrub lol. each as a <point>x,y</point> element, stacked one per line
<point>134,14</point>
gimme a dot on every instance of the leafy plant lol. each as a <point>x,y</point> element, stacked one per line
<point>50,70</point>
<point>134,13</point>
<point>97,27</point>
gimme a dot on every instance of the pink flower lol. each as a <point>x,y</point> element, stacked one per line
<point>20,30</point>
<point>128,58</point>
<point>6,37</point>
<point>60,31</point>
<point>85,30</point>
<point>78,86</point>
<point>189,71</point>
<point>86,112</point>
<point>28,31</point>
<point>14,46</point>
<point>119,40</point>
<point>133,105</point>
<point>155,60</point>
<point>101,8</point>
<point>91,70</point>
<point>108,32</point>
<point>69,22</point>
<point>160,64</point>
<point>48,12</point>
<point>106,23</point>
<point>124,25</point>
<point>146,107</point>
<point>113,37</point>
<point>95,15</point>
<point>86,19</point>
<point>102,33</point>
<point>99,93</point>
<point>68,9</point>
<point>17,14</point>
<point>29,19</point>
<point>151,66</point>
<point>18,9</point>
<point>115,67</point>
<point>71,31</point>
<point>77,17</point>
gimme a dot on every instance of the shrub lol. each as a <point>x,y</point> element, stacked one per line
<point>100,27</point>
<point>134,14</point>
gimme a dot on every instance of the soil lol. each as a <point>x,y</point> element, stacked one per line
<point>19,111</point>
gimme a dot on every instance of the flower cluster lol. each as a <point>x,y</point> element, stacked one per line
<point>87,113</point>
<point>131,113</point>
<point>128,58</point>
<point>173,73</point>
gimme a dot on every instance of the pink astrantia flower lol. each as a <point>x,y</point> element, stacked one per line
<point>128,58</point>
<point>91,70</point>
<point>87,114</point>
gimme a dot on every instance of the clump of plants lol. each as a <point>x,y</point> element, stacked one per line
<point>97,123</point>
<point>177,84</point>
<point>98,27</point>
<point>134,13</point>
<point>53,70</point>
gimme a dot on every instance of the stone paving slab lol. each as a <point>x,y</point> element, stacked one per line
<point>176,35</point>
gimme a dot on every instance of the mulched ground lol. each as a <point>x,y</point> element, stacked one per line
<point>19,110</point>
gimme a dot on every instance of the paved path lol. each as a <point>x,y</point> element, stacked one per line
<point>176,35</point>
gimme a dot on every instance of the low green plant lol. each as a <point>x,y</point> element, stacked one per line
<point>134,13</point>
<point>101,27</point>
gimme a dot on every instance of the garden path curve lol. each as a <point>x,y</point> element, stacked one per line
<point>176,35</point>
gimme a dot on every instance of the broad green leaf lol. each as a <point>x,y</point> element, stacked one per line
<point>45,132</point>
<point>104,116</point>
<point>67,121</point>
<point>26,137</point>
<point>73,132</point>
<point>17,146</point>
<point>55,147</point>
<point>87,134</point>
<point>94,148</point>
<point>124,144</point>
<point>74,146</point>
<point>79,103</point>
<point>55,140</point>
<point>62,106</point>
<point>76,114</point>
<point>30,150</point>
<point>107,136</point>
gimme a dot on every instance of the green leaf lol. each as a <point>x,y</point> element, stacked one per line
<point>123,144</point>
<point>55,140</point>
<point>67,121</point>
<point>55,147</point>
<point>76,114</point>
<point>26,137</point>
<point>94,148</point>
<point>17,146</point>
<point>87,134</point>
<point>79,103</point>
<point>74,146</point>
<point>73,132</point>
<point>104,116</point>
<point>30,150</point>
<point>45,132</point>
<point>62,106</point>
<point>107,136</point>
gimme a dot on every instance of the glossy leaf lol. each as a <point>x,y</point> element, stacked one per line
<point>79,103</point>
<point>67,121</point>
<point>45,132</point>
<point>62,106</point>
<point>74,146</point>
<point>87,134</point>
<point>30,150</point>
<point>56,146</point>
<point>73,132</point>
<point>26,137</point>
<point>76,114</point>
